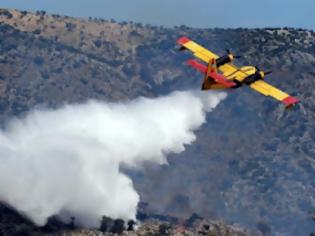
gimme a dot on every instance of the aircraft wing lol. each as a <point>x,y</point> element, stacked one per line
<point>268,90</point>
<point>206,55</point>
<point>199,51</point>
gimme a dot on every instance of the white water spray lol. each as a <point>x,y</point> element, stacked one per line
<point>66,161</point>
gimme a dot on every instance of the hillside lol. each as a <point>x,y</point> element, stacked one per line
<point>12,223</point>
<point>253,163</point>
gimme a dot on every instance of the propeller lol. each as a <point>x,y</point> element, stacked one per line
<point>228,51</point>
<point>259,70</point>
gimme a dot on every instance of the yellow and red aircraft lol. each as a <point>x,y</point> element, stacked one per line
<point>231,76</point>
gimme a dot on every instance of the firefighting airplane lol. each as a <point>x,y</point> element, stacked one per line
<point>231,76</point>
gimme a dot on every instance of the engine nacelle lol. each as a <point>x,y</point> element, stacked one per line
<point>253,78</point>
<point>224,59</point>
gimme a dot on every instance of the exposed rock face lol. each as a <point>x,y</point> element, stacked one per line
<point>253,163</point>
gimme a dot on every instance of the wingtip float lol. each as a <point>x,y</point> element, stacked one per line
<point>221,73</point>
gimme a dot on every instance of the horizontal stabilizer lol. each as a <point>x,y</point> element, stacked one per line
<point>218,78</point>
<point>195,64</point>
<point>221,79</point>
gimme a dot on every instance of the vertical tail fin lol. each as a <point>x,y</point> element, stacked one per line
<point>212,79</point>
<point>212,67</point>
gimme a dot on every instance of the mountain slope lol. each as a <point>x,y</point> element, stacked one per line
<point>253,162</point>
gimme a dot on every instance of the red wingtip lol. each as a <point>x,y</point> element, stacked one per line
<point>183,40</point>
<point>290,101</point>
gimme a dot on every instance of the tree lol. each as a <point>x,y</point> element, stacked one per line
<point>118,227</point>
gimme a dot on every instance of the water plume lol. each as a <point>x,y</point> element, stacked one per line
<point>66,162</point>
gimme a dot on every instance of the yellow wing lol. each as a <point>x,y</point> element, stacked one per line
<point>198,51</point>
<point>206,55</point>
<point>268,90</point>
<point>260,85</point>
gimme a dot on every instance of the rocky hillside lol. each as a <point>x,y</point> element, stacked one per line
<point>253,163</point>
<point>12,223</point>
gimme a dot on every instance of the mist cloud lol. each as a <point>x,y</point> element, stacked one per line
<point>66,162</point>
